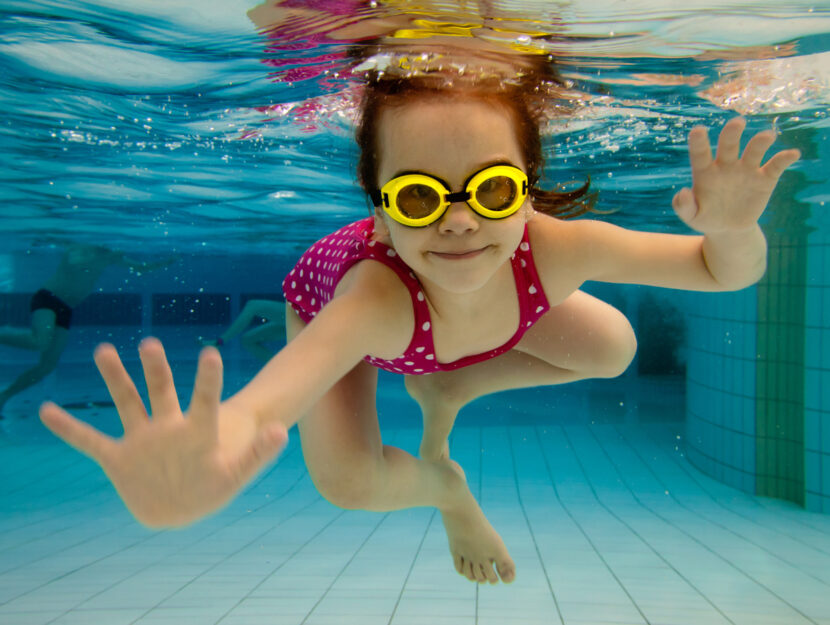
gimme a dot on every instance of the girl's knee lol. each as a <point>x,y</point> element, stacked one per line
<point>351,488</point>
<point>617,350</point>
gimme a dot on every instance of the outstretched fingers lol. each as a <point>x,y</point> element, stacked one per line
<point>207,390</point>
<point>757,147</point>
<point>77,434</point>
<point>121,388</point>
<point>775,166</point>
<point>700,150</point>
<point>729,141</point>
<point>164,403</point>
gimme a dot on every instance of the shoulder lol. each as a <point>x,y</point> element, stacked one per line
<point>553,241</point>
<point>372,278</point>
<point>383,304</point>
<point>565,252</point>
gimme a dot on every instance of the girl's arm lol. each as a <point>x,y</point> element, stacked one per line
<point>370,314</point>
<point>728,195</point>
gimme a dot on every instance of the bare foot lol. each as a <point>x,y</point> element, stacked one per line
<point>475,545</point>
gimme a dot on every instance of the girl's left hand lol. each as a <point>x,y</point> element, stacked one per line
<point>730,192</point>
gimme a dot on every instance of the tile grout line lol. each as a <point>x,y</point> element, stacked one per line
<point>530,526</point>
<point>412,566</point>
<point>579,525</point>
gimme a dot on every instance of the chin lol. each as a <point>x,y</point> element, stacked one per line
<point>462,281</point>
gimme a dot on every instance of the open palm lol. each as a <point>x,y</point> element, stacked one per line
<point>172,468</point>
<point>731,190</point>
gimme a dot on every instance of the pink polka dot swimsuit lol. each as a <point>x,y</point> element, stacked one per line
<point>311,283</point>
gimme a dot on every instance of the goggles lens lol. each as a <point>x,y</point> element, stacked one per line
<point>497,193</point>
<point>417,199</point>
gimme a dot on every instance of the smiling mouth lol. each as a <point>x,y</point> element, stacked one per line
<point>461,254</point>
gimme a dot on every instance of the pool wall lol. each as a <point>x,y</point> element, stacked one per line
<point>758,378</point>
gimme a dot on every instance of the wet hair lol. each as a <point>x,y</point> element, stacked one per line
<point>528,97</point>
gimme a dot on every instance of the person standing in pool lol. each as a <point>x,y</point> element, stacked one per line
<point>465,279</point>
<point>51,307</point>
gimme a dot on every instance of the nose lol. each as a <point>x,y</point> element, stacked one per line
<point>459,219</point>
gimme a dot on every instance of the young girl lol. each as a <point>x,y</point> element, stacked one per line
<point>457,281</point>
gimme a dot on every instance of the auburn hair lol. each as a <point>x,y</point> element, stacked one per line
<point>527,98</point>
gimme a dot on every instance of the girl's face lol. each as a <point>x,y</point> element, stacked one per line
<point>450,139</point>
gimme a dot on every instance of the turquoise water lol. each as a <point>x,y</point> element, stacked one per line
<point>183,131</point>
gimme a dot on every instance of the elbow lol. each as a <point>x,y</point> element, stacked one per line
<point>760,270</point>
<point>750,275</point>
<point>735,261</point>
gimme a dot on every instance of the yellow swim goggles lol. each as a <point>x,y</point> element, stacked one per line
<point>416,199</point>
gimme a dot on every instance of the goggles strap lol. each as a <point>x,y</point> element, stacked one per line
<point>377,199</point>
<point>458,196</point>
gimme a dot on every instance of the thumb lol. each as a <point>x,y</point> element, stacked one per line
<point>685,206</point>
<point>266,446</point>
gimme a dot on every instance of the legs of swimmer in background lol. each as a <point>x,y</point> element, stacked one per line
<point>581,338</point>
<point>254,340</point>
<point>45,337</point>
<point>353,469</point>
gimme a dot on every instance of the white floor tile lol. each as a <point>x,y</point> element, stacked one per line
<point>607,524</point>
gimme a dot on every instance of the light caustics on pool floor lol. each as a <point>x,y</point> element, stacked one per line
<point>607,524</point>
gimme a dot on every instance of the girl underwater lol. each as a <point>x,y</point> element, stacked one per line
<point>466,280</point>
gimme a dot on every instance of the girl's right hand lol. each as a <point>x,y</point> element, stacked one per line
<point>174,468</point>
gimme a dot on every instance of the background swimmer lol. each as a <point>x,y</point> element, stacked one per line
<point>79,269</point>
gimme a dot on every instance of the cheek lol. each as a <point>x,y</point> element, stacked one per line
<point>516,223</point>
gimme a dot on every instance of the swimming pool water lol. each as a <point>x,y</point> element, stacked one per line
<point>694,489</point>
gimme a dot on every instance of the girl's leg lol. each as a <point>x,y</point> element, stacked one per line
<point>352,468</point>
<point>581,338</point>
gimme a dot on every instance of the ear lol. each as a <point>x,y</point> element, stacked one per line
<point>381,229</point>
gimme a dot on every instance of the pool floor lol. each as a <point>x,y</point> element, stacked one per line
<point>606,523</point>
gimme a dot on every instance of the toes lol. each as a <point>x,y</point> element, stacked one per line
<point>470,571</point>
<point>476,571</point>
<point>489,573</point>
<point>481,574</point>
<point>507,571</point>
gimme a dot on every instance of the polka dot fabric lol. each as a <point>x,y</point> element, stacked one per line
<point>311,283</point>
